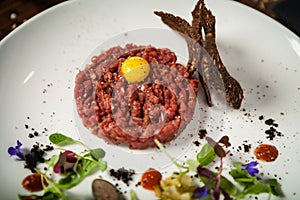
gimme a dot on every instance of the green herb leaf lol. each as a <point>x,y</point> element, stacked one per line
<point>53,160</point>
<point>206,198</point>
<point>241,176</point>
<point>225,184</point>
<point>60,139</point>
<point>49,195</point>
<point>193,164</point>
<point>46,196</point>
<point>228,186</point>
<point>100,163</point>
<point>70,180</point>
<point>275,189</point>
<point>256,188</point>
<point>98,153</point>
<point>86,167</point>
<point>132,195</point>
<point>208,178</point>
<point>206,155</point>
<point>238,165</point>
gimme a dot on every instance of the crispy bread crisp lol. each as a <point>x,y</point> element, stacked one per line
<point>204,55</point>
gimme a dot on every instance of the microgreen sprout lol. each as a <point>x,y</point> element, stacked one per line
<point>214,184</point>
<point>65,162</point>
<point>243,174</point>
<point>62,140</point>
<point>179,166</point>
<point>72,167</point>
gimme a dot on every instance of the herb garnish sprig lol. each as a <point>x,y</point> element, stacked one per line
<point>71,167</point>
<point>213,184</point>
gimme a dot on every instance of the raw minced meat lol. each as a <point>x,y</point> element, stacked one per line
<point>135,114</point>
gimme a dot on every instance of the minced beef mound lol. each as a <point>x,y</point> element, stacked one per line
<point>135,114</point>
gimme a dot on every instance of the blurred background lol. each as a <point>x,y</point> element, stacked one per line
<point>15,12</point>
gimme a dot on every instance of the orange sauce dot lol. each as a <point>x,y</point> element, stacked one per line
<point>150,179</point>
<point>266,152</point>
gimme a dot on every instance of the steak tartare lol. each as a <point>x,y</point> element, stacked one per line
<point>122,112</point>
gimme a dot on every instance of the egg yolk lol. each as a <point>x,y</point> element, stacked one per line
<point>135,69</point>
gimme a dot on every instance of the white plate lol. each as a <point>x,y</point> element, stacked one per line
<point>39,61</point>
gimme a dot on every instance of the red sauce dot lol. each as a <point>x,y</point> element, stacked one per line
<point>150,179</point>
<point>33,183</point>
<point>266,152</point>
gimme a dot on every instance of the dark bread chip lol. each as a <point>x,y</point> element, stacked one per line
<point>204,55</point>
<point>176,23</point>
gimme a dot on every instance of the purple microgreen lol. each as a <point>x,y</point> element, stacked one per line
<point>16,151</point>
<point>251,168</point>
<point>225,140</point>
<point>219,151</point>
<point>65,162</point>
<point>210,141</point>
<point>216,193</point>
<point>204,172</point>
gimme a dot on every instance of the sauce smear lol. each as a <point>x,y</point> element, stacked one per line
<point>150,179</point>
<point>266,152</point>
<point>33,183</point>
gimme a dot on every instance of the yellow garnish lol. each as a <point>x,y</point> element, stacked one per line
<point>135,69</point>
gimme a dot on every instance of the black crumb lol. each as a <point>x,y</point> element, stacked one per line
<point>202,133</point>
<point>197,143</point>
<point>247,147</point>
<point>269,122</point>
<point>48,148</point>
<point>35,156</point>
<point>272,132</point>
<point>239,147</point>
<point>261,117</point>
<point>123,174</point>
<point>138,184</point>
